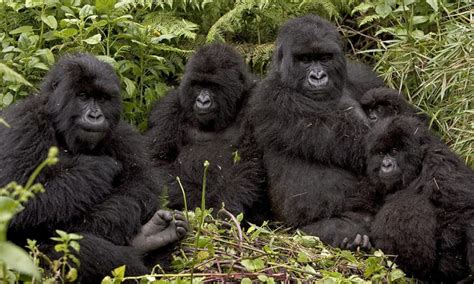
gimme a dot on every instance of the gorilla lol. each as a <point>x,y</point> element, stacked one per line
<point>101,188</point>
<point>204,119</point>
<point>312,132</point>
<point>379,103</point>
<point>423,198</point>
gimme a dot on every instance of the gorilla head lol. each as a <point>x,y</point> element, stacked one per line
<point>213,87</point>
<point>84,104</point>
<point>312,61</point>
<point>380,103</point>
<point>395,152</point>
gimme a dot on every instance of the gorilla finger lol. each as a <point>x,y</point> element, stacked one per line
<point>178,215</point>
<point>344,243</point>
<point>164,215</point>
<point>366,242</point>
<point>182,224</point>
<point>181,232</point>
<point>358,240</point>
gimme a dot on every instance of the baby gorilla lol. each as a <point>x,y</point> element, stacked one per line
<point>204,120</point>
<point>101,188</point>
<point>423,200</point>
<point>380,103</point>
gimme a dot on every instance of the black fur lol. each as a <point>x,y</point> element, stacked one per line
<point>101,190</point>
<point>380,103</point>
<point>313,139</point>
<point>180,139</point>
<point>361,79</point>
<point>426,215</point>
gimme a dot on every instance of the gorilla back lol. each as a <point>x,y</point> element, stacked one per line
<point>310,128</point>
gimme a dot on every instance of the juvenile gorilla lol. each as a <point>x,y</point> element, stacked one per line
<point>380,103</point>
<point>423,197</point>
<point>101,187</point>
<point>204,120</point>
<point>312,132</point>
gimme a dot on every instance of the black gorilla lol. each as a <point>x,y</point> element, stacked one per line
<point>204,120</point>
<point>380,103</point>
<point>423,197</point>
<point>101,187</point>
<point>312,131</point>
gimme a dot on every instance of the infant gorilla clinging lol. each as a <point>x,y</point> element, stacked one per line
<point>101,188</point>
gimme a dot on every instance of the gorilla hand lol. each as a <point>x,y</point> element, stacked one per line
<point>162,229</point>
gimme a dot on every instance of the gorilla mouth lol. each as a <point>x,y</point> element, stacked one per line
<point>318,83</point>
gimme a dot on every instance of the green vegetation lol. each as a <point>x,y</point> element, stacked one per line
<point>422,48</point>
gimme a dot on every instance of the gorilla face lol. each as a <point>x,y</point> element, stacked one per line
<point>213,87</point>
<point>83,101</point>
<point>314,64</point>
<point>394,154</point>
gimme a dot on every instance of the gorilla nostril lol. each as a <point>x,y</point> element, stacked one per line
<point>387,165</point>
<point>320,74</point>
<point>203,102</point>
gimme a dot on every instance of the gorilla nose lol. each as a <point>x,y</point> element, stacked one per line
<point>203,101</point>
<point>317,78</point>
<point>317,75</point>
<point>387,165</point>
<point>95,117</point>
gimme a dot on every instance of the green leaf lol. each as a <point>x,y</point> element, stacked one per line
<point>95,39</point>
<point>420,19</point>
<point>433,4</point>
<point>11,76</point>
<point>50,21</point>
<point>17,259</point>
<point>119,272</point>
<point>246,280</point>
<point>383,10</point>
<point>130,87</point>
<point>7,99</point>
<point>66,33</point>
<point>253,265</point>
<point>3,122</point>
<point>22,29</point>
<point>85,11</point>
<point>71,276</point>
<point>33,3</point>
<point>104,6</point>
<point>8,208</point>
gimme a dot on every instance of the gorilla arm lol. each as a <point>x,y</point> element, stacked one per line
<point>71,187</point>
<point>295,124</point>
<point>135,200</point>
<point>164,129</point>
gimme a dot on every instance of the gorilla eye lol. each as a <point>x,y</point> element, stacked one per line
<point>394,151</point>
<point>379,108</point>
<point>305,58</point>
<point>82,96</point>
<point>326,57</point>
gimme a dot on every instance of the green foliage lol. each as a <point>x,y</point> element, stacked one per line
<point>425,51</point>
<point>14,261</point>
<point>223,251</point>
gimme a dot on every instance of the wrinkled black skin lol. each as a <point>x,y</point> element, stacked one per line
<point>424,213</point>
<point>100,188</point>
<point>313,139</point>
<point>380,103</point>
<point>180,139</point>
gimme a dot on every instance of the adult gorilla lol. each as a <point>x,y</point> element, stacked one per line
<point>423,198</point>
<point>101,187</point>
<point>312,132</point>
<point>204,120</point>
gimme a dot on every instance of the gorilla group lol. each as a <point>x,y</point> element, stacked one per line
<point>422,197</point>
<point>204,120</point>
<point>101,188</point>
<point>312,130</point>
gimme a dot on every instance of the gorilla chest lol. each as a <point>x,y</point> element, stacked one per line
<point>216,147</point>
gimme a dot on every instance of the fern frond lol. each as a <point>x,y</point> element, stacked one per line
<point>168,24</point>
